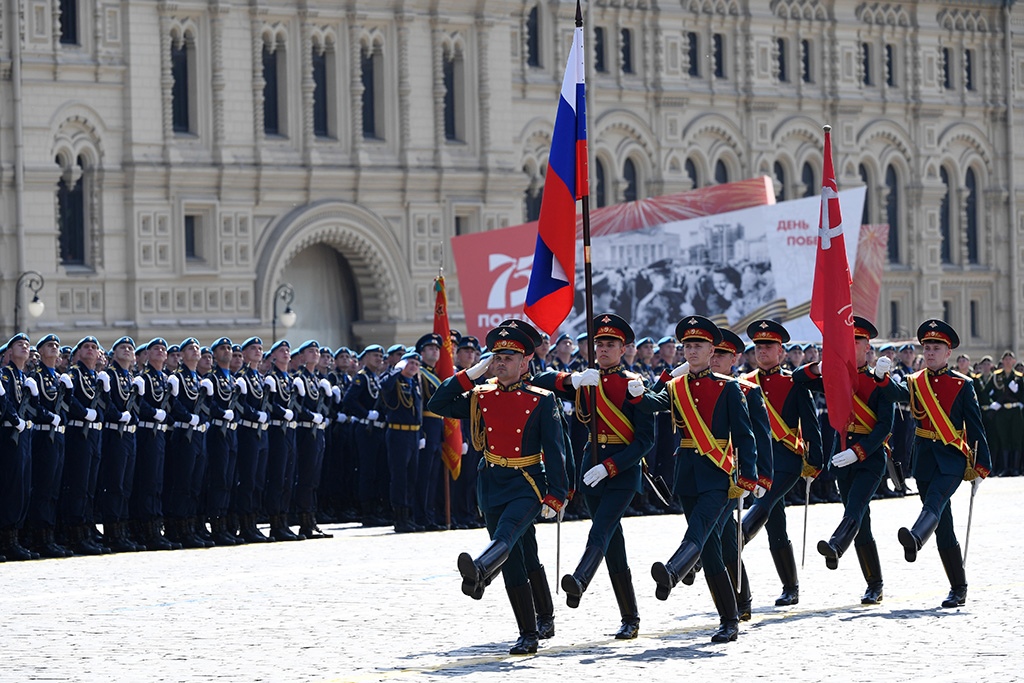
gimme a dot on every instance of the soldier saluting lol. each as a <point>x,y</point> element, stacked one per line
<point>950,446</point>
<point>612,472</point>
<point>518,428</point>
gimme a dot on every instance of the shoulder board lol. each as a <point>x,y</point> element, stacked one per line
<point>959,375</point>
<point>533,389</point>
<point>746,383</point>
<point>725,377</point>
<point>484,388</point>
<point>630,375</point>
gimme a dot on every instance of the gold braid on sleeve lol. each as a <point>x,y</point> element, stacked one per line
<point>476,424</point>
<point>581,408</point>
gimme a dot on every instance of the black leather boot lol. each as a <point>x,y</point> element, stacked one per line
<point>691,575</point>
<point>841,539</point>
<point>575,584</point>
<point>201,532</point>
<point>113,538</point>
<point>785,564</point>
<point>871,567</point>
<point>219,531</point>
<point>668,575</point>
<point>914,539</point>
<point>725,601</point>
<point>45,544</point>
<point>309,528</point>
<point>953,563</point>
<point>754,520</point>
<point>154,539</point>
<point>279,530</point>
<point>521,598</point>
<point>743,599</point>
<point>183,533</point>
<point>248,530</point>
<point>81,541</point>
<point>622,584</point>
<point>403,524</point>
<point>542,602</point>
<point>11,548</point>
<point>476,574</point>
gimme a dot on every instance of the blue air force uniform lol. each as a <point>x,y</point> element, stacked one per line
<point>402,399</point>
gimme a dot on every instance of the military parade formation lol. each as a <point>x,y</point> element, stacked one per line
<point>165,446</point>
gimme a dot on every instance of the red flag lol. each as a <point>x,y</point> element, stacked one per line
<point>451,448</point>
<point>831,302</point>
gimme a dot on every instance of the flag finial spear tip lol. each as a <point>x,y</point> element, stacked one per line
<point>579,14</point>
<point>827,128</point>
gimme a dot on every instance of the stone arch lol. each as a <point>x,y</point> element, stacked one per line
<point>365,240</point>
<point>718,138</point>
<point>274,36</point>
<point>76,133</point>
<point>964,144</point>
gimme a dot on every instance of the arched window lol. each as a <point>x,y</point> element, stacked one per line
<point>807,178</point>
<point>69,22</point>
<point>71,213</point>
<point>629,190</point>
<point>780,177</point>
<point>454,96</point>
<point>531,202</point>
<point>892,213</point>
<point>782,45</point>
<point>971,208</point>
<point>600,185</point>
<point>865,216</point>
<point>273,90</point>
<point>182,72</point>
<point>533,37</point>
<point>626,45</point>
<point>945,220</point>
<point>372,71</point>
<point>691,172</point>
<point>721,172</point>
<point>693,49</point>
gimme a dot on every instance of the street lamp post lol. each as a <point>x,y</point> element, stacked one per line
<point>34,281</point>
<point>286,293</point>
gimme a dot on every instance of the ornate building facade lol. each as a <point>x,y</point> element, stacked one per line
<point>165,166</point>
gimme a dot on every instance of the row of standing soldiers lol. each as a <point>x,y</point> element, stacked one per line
<point>756,434</point>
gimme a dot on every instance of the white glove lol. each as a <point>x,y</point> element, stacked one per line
<point>325,385</point>
<point>66,380</point>
<point>588,378</point>
<point>90,415</point>
<point>299,386</point>
<point>336,393</point>
<point>975,485</point>
<point>400,365</point>
<point>844,458</point>
<point>547,512</point>
<point>30,384</point>
<point>465,448</point>
<point>3,392</point>
<point>995,406</point>
<point>478,370</point>
<point>20,426</point>
<point>759,491</point>
<point>125,417</point>
<point>567,407</point>
<point>372,416</point>
<point>423,444</point>
<point>341,418</point>
<point>744,494</point>
<point>288,415</point>
<point>317,418</point>
<point>140,385</point>
<point>159,415</point>
<point>270,382</point>
<point>194,420</point>
<point>207,384</point>
<point>104,379</point>
<point>261,417</point>
<point>635,387</point>
<point>1013,385</point>
<point>56,420</point>
<point>229,415</point>
<point>683,369</point>
<point>172,382</point>
<point>594,475</point>
<point>882,366</point>
<point>242,385</point>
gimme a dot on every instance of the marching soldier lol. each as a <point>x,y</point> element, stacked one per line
<point>281,457</point>
<point>314,397</point>
<point>187,444</point>
<point>146,506</point>
<point>429,463</point>
<point>1003,395</point>
<point>797,451</point>
<point>859,468</point>
<point>950,447</point>
<point>710,411</point>
<point>612,472</point>
<point>341,477</point>
<point>16,449</point>
<point>360,402</point>
<point>253,442</point>
<point>722,361</point>
<point>663,462</point>
<point>401,396</point>
<point>221,442</point>
<point>513,423</point>
<point>81,447</point>
<point>465,514</point>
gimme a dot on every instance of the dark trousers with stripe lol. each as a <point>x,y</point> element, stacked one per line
<point>606,510</point>
<point>508,523</point>
<point>148,489</point>
<point>80,448</point>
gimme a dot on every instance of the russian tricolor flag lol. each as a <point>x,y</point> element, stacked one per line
<point>549,297</point>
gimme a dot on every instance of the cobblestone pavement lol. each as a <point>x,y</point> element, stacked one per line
<point>372,606</point>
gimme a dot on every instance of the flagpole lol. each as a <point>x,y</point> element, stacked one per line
<point>588,285</point>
